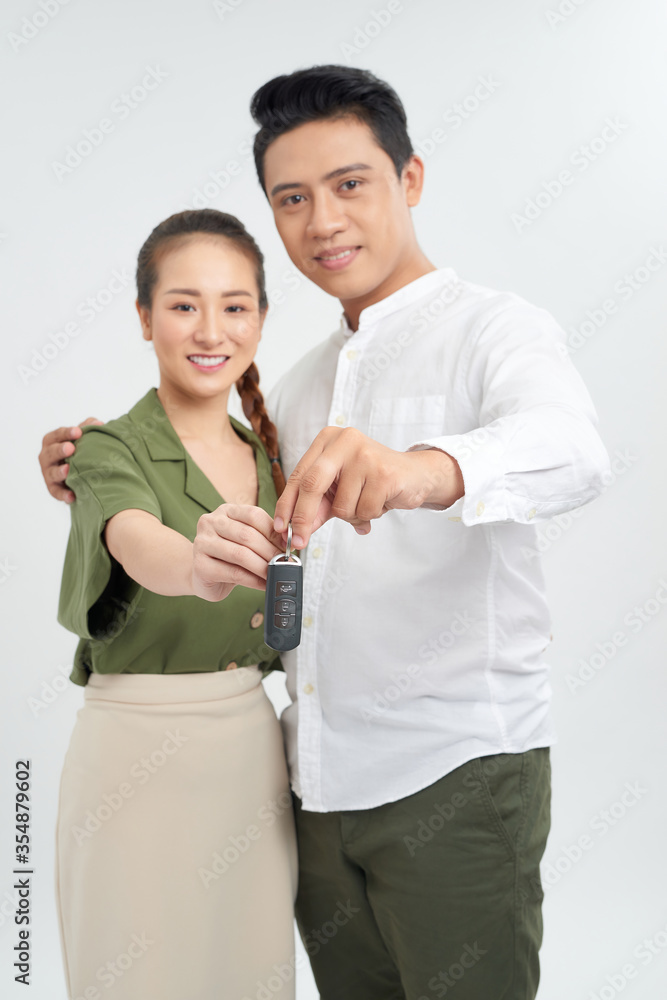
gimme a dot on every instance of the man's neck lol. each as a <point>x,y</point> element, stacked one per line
<point>416,266</point>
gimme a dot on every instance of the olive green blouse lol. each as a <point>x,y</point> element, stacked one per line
<point>138,461</point>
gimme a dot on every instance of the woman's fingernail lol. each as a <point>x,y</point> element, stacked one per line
<point>298,542</point>
<point>278,524</point>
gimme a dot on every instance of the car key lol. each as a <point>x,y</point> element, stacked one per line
<point>284,599</point>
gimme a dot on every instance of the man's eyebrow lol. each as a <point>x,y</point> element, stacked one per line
<point>327,177</point>
<point>193,291</point>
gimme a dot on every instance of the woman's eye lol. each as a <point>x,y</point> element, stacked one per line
<point>184,305</point>
<point>235,309</point>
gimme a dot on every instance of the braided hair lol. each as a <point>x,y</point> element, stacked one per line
<point>165,237</point>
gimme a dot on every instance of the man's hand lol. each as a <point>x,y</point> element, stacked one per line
<point>57,447</point>
<point>348,475</point>
<point>233,546</point>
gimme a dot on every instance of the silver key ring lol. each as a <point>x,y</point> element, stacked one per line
<point>288,547</point>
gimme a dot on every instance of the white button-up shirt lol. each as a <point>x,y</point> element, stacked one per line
<point>423,642</point>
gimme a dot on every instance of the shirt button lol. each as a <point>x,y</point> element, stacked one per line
<point>317,552</point>
<point>256,619</point>
<point>532,513</point>
<point>308,688</point>
<point>480,508</point>
<point>340,419</point>
<point>352,354</point>
<point>232,666</point>
<point>307,621</point>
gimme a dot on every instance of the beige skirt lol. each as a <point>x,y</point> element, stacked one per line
<point>175,846</point>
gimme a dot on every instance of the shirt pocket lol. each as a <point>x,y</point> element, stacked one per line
<point>399,421</point>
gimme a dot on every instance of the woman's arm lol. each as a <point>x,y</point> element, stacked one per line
<point>155,556</point>
<point>232,547</point>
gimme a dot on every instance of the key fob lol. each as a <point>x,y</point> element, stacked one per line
<point>284,600</point>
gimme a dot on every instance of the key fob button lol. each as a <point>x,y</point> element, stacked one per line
<point>285,607</point>
<point>284,621</point>
<point>284,587</point>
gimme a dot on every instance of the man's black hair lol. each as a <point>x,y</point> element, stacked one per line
<point>320,92</point>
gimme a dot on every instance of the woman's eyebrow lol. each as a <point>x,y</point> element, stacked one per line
<point>193,291</point>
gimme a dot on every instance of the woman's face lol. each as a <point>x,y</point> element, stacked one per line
<point>205,322</point>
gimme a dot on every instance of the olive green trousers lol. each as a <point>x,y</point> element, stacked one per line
<point>435,895</point>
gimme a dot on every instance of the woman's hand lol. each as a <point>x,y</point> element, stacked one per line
<point>233,546</point>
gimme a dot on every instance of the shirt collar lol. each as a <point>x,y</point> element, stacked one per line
<point>405,296</point>
<point>162,441</point>
<point>164,444</point>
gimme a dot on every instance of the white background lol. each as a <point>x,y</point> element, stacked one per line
<point>557,78</point>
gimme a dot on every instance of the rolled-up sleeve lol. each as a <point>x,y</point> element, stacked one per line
<point>535,451</point>
<point>96,595</point>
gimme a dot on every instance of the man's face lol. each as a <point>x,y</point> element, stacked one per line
<point>340,208</point>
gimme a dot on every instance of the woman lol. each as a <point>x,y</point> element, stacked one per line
<point>175,855</point>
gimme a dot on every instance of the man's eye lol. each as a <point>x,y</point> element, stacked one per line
<point>290,199</point>
<point>354,183</point>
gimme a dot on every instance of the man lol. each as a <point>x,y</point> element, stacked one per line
<point>450,415</point>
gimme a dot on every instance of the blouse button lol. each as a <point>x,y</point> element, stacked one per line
<point>256,619</point>
<point>231,666</point>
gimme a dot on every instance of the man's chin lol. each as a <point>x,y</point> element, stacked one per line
<point>346,287</point>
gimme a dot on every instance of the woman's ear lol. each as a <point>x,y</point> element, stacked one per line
<point>262,317</point>
<point>145,319</point>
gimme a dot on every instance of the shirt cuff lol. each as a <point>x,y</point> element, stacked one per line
<point>485,499</point>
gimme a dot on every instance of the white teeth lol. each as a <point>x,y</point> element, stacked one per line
<point>338,256</point>
<point>206,362</point>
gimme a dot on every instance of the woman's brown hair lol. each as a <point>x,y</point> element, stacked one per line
<point>165,237</point>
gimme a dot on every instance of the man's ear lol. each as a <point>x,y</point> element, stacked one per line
<point>412,179</point>
<point>145,319</point>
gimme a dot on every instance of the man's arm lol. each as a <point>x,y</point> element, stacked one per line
<point>346,474</point>
<point>57,447</point>
<point>534,453</point>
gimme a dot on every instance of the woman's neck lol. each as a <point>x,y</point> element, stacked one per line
<point>203,419</point>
